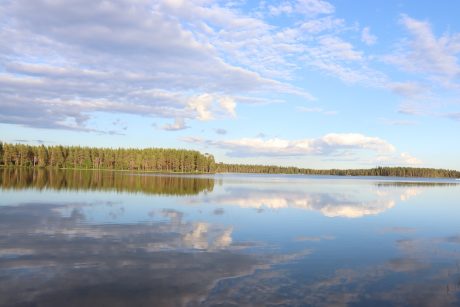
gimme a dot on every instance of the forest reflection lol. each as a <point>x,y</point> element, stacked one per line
<point>94,180</point>
<point>415,184</point>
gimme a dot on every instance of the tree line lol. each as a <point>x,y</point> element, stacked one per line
<point>76,157</point>
<point>377,171</point>
<point>175,160</point>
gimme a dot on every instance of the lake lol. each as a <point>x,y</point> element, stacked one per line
<point>100,238</point>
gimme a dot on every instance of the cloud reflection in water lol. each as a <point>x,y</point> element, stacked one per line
<point>58,253</point>
<point>347,204</point>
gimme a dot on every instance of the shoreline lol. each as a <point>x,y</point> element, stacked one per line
<point>169,173</point>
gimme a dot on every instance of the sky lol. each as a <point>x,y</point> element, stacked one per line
<point>308,83</point>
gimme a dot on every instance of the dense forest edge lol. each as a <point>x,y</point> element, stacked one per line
<point>174,161</point>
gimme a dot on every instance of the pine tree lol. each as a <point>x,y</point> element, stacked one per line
<point>42,156</point>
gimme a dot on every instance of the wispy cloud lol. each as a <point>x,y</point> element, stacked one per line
<point>61,62</point>
<point>309,8</point>
<point>186,59</point>
<point>454,115</point>
<point>179,124</point>
<point>367,37</point>
<point>425,53</point>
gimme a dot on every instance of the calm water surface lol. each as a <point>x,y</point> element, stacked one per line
<point>82,238</point>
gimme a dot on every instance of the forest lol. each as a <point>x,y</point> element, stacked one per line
<point>76,157</point>
<point>377,171</point>
<point>174,161</point>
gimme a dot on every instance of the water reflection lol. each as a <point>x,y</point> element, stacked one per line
<point>56,260</point>
<point>210,246</point>
<point>329,204</point>
<point>21,178</point>
<point>349,203</point>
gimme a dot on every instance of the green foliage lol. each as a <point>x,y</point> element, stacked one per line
<point>149,159</point>
<point>175,160</point>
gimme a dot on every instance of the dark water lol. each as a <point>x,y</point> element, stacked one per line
<point>114,239</point>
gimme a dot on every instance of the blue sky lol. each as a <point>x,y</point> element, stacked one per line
<point>311,83</point>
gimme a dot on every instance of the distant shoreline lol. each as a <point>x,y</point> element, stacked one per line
<point>176,161</point>
<point>2,167</point>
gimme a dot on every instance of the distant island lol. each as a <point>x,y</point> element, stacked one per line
<point>165,160</point>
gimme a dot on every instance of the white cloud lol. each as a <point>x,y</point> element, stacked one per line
<point>322,24</point>
<point>309,8</point>
<point>425,53</point>
<point>339,58</point>
<point>126,57</point>
<point>179,124</point>
<point>359,141</point>
<point>229,105</point>
<point>339,49</point>
<point>326,145</point>
<point>367,37</point>
<point>345,205</point>
<point>408,159</point>
<point>314,7</point>
<point>403,158</point>
<point>202,104</point>
<point>208,106</point>
<point>408,89</point>
<point>280,51</point>
<point>61,61</point>
<point>283,8</point>
<point>431,66</point>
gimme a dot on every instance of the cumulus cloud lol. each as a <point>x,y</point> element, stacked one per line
<point>202,104</point>
<point>346,204</point>
<point>229,105</point>
<point>328,144</point>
